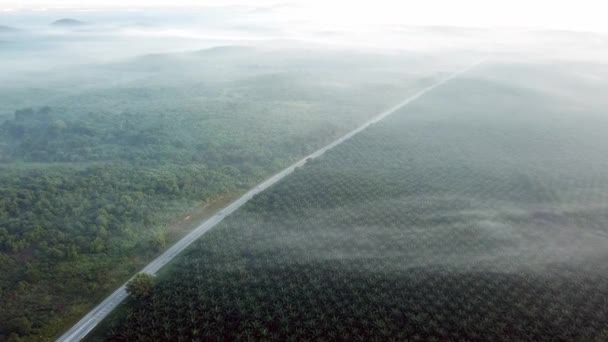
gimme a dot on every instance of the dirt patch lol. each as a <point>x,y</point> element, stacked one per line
<point>197,215</point>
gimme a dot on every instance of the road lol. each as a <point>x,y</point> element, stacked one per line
<point>89,321</point>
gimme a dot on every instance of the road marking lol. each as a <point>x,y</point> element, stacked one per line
<point>89,321</point>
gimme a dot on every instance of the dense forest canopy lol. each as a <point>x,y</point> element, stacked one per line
<point>120,131</point>
<point>444,222</point>
<point>92,177</point>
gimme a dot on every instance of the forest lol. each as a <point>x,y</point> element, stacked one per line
<point>94,178</point>
<point>444,222</point>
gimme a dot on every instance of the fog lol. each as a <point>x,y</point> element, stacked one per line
<point>121,130</point>
<point>106,35</point>
<point>102,49</point>
<point>30,42</point>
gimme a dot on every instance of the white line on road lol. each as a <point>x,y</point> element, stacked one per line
<point>89,321</point>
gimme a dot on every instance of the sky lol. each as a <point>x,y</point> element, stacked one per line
<point>583,15</point>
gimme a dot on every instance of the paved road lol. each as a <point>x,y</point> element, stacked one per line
<point>88,322</point>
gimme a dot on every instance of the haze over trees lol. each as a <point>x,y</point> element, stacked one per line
<point>97,179</point>
<point>445,221</point>
<point>479,211</point>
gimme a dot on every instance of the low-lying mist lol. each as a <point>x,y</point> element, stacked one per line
<point>463,214</point>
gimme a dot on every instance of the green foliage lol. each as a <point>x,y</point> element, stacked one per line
<point>434,225</point>
<point>141,286</point>
<point>20,325</point>
<point>91,176</point>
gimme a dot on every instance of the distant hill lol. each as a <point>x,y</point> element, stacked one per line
<point>68,22</point>
<point>7,29</point>
<point>186,60</point>
<point>225,50</point>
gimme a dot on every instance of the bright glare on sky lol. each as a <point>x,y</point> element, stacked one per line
<point>553,14</point>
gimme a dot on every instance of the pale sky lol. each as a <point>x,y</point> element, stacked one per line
<point>589,15</point>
